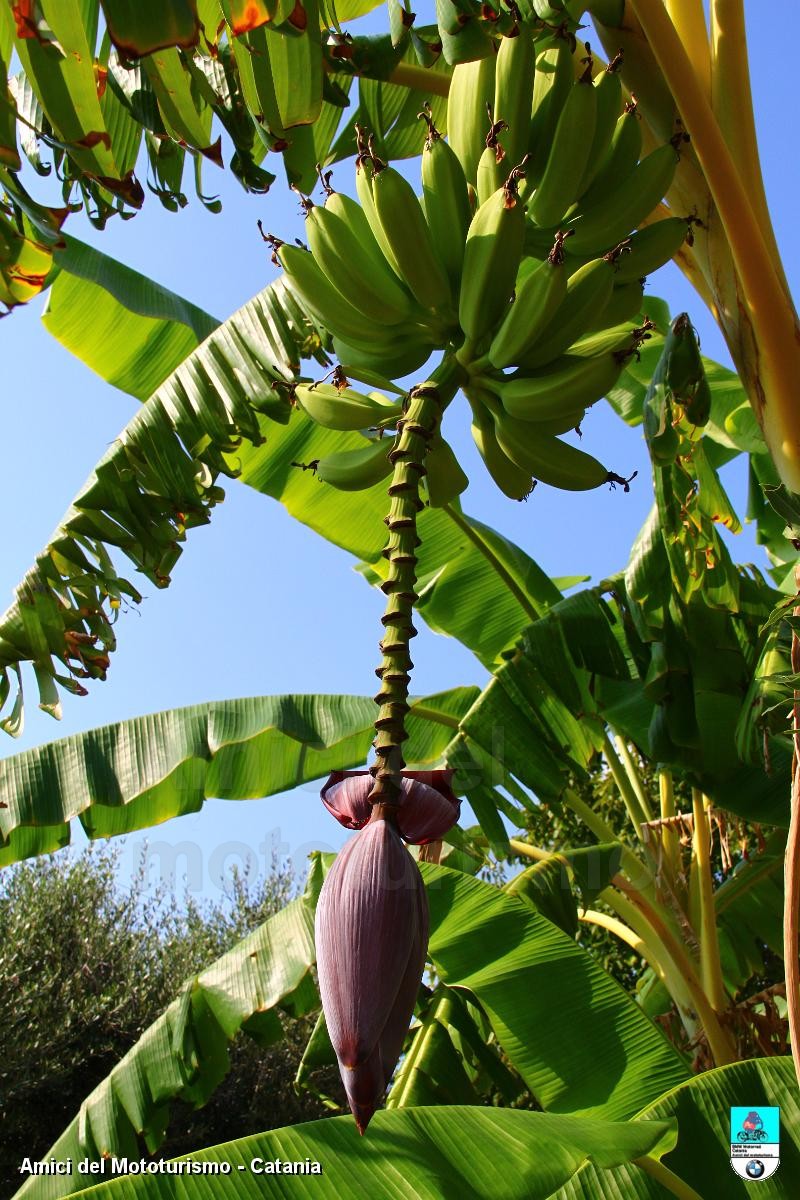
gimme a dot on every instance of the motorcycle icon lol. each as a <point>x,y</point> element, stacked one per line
<point>752,1129</point>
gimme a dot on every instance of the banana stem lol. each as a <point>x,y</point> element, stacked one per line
<point>710,966</point>
<point>772,318</point>
<point>672,974</point>
<point>732,103</point>
<point>414,431</point>
<point>668,1179</point>
<point>635,869</point>
<point>407,75</point>
<point>529,851</point>
<point>689,20</point>
<point>624,787</point>
<point>592,820</point>
<point>634,775</point>
<point>437,1016</point>
<point>670,839</point>
<point>625,934</point>
<point>791,887</point>
<point>719,1042</point>
<point>419,79</point>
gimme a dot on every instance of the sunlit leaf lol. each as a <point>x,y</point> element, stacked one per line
<point>141,772</point>
<point>138,27</point>
<point>534,982</point>
<point>701,1158</point>
<point>419,1153</point>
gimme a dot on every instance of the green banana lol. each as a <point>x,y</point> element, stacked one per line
<point>512,481</point>
<point>538,296</point>
<point>651,248</point>
<point>392,360</point>
<point>492,171</point>
<point>356,470</point>
<point>568,383</point>
<point>549,460</point>
<point>549,13</point>
<point>626,303</point>
<point>451,15</point>
<point>406,231</point>
<point>444,477</point>
<point>514,429</point>
<point>569,154</point>
<point>552,83</point>
<point>344,409</point>
<point>608,91</point>
<point>352,213</point>
<point>471,89</point>
<point>588,291</point>
<point>375,379</point>
<point>616,337</point>
<point>620,158</point>
<point>513,92</point>
<point>365,171</point>
<point>325,303</point>
<point>356,269</point>
<point>604,224</point>
<point>491,259</point>
<point>447,208</point>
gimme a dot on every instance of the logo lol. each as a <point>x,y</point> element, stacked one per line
<point>755,1142</point>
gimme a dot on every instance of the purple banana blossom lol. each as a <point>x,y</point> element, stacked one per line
<point>429,806</point>
<point>372,938</point>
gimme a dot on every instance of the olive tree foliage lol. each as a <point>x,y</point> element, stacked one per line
<point>87,964</point>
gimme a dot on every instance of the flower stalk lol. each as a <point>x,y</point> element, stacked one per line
<point>415,429</point>
<point>706,917</point>
<point>371,924</point>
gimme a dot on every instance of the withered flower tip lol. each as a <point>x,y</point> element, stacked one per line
<point>428,809</point>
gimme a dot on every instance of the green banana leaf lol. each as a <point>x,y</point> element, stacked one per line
<point>184,1054</point>
<point>139,331</point>
<point>100,127</point>
<point>186,113</point>
<point>59,63</point>
<point>529,978</point>
<point>749,906</point>
<point>141,772</point>
<point>147,25</point>
<point>452,1057</point>
<point>580,1043</point>
<point>156,481</point>
<point>701,1157</point>
<point>420,1153</point>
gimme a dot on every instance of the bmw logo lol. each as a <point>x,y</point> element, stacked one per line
<point>755,1168</point>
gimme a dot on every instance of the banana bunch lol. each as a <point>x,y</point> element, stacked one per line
<point>519,418</point>
<point>523,259</point>
<point>552,291</point>
<point>381,272</point>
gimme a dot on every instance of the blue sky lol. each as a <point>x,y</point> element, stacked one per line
<point>255,592</point>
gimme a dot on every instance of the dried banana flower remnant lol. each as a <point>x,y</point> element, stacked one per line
<point>428,808</point>
<point>372,937</point>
